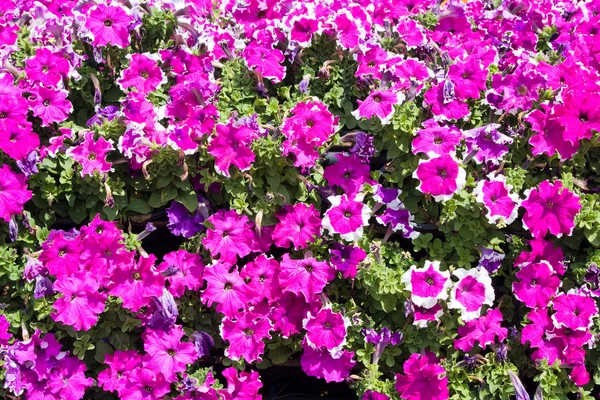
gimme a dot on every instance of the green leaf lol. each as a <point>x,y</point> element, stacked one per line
<point>388,303</point>
<point>188,199</point>
<point>280,354</point>
<point>120,340</point>
<point>78,212</point>
<point>139,206</point>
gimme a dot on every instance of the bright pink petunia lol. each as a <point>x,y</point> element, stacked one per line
<point>91,154</point>
<point>13,111</point>
<point>50,105</point>
<point>482,330</point>
<point>120,367</point>
<point>550,135</point>
<point>109,24</point>
<point>143,74</point>
<point>331,366</point>
<point>542,250</point>
<point>265,60</point>
<point>307,276</point>
<point>81,303</point>
<point>550,208</point>
<point>471,292</point>
<point>574,311</point>
<point>227,289</point>
<point>47,67</point>
<point>232,146</point>
<point>326,330</point>
<point>261,277</point>
<point>537,284</point>
<point>427,284</point>
<point>469,78</point>
<point>41,354</point>
<point>60,254</point>
<point>346,217</point>
<point>168,354</point>
<point>183,270</point>
<point>298,225</point>
<point>246,335</point>
<point>380,104</point>
<point>13,193</point>
<point>495,194</point>
<point>69,380</point>
<point>137,284</point>
<point>444,106</point>
<point>18,142</point>
<point>535,332</point>
<point>146,383</point>
<point>436,140</point>
<point>440,177</point>
<point>5,334</point>
<point>240,386</point>
<point>423,316</point>
<point>424,379</point>
<point>230,236</point>
<point>349,173</point>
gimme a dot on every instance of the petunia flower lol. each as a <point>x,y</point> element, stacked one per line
<point>19,143</point>
<point>266,60</point>
<point>81,303</point>
<point>550,136</point>
<point>400,220</point>
<point>183,271</point>
<point>490,259</point>
<point>550,207</point>
<point>143,74</point>
<point>40,354</point>
<point>537,284</point>
<point>501,205</point>
<point>387,196</point>
<point>427,284</point>
<point>13,111</point>
<point>51,105</point>
<point>471,292</point>
<point>261,276</point>
<point>346,259</point>
<point>483,330</point>
<point>245,335</point>
<point>227,289</point>
<point>326,330</point>
<point>230,236</point>
<point>305,276</point>
<point>121,364</point>
<point>47,67</point>
<point>60,254</point>
<point>69,380</point>
<point>435,139</point>
<point>146,383</point>
<point>184,223</point>
<point>542,250</point>
<point>298,225</point>
<point>333,367</point>
<point>424,379</point>
<point>241,385</point>
<point>91,154</point>
<point>444,107</point>
<point>13,193</point>
<point>489,144</point>
<point>371,395</point>
<point>231,145</point>
<point>440,177</point>
<point>168,354</point>
<point>346,217</point>
<point>109,25</point>
<point>136,284</point>
<point>423,316</point>
<point>574,311</point>
<point>348,173</point>
<point>380,104</point>
<point>203,342</point>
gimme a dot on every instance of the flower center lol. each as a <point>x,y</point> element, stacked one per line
<point>576,312</point>
<point>228,286</point>
<point>147,388</point>
<point>171,352</point>
<point>46,103</point>
<point>550,203</point>
<point>248,332</point>
<point>437,140</point>
<point>262,278</point>
<point>2,115</point>
<point>347,175</point>
<point>522,90</point>
<point>327,325</point>
<point>92,156</point>
<point>61,253</point>
<point>430,281</point>
<point>144,74</point>
<point>348,214</point>
<point>309,268</point>
<point>377,98</point>
<point>45,68</point>
<point>443,173</point>
<point>310,123</point>
<point>533,282</point>
<point>108,22</point>
<point>137,276</point>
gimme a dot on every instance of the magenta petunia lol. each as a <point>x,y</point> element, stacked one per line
<point>537,284</point>
<point>47,67</point>
<point>424,379</point>
<point>427,284</point>
<point>423,316</point>
<point>307,276</point>
<point>265,60</point>
<point>543,250</point>
<point>440,177</point>
<point>550,136</point>
<point>436,140</point>
<point>552,208</point>
<point>41,354</point>
<point>81,303</point>
<point>146,383</point>
<point>120,367</point>
<point>443,105</point>
<point>326,330</point>
<point>472,291</point>
<point>69,380</point>
<point>5,334</point>
<point>574,311</point>
<point>380,104</point>
<point>18,142</point>
<point>346,259</point>
<point>231,235</point>
<point>400,220</point>
<point>60,254</point>
<point>109,24</point>
<point>298,225</point>
<point>231,145</point>
<point>349,173</point>
<point>501,205</point>
<point>261,276</point>
<point>245,334</point>
<point>371,395</point>
<point>183,270</point>
<point>227,289</point>
<point>333,367</point>
<point>469,78</point>
<point>143,73</point>
<point>346,217</point>
<point>168,354</point>
<point>13,193</point>
<point>240,385</point>
<point>91,154</point>
<point>137,284</point>
<point>483,330</point>
<point>50,105</point>
<point>488,144</point>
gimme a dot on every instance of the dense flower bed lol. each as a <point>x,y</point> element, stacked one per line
<point>402,195</point>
